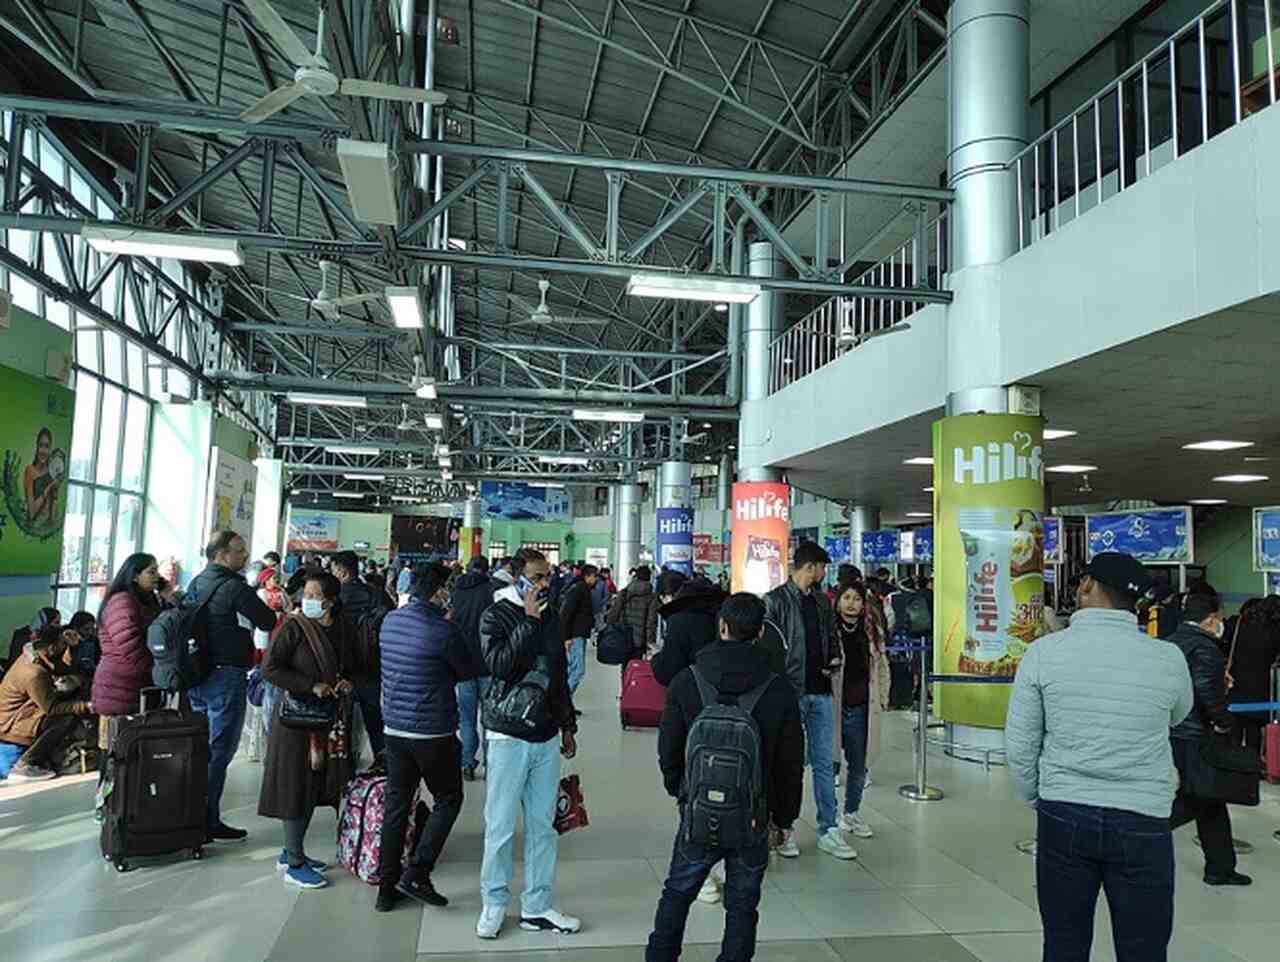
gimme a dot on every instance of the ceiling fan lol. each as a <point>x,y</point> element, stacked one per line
<point>327,302</point>
<point>313,75</point>
<point>542,314</point>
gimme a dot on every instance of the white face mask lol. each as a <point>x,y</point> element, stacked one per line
<point>1219,630</point>
<point>313,608</point>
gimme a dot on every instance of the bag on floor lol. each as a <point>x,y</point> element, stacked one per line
<point>614,645</point>
<point>642,697</point>
<point>360,826</point>
<point>571,807</point>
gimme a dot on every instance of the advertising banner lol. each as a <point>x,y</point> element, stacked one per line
<point>232,494</point>
<point>515,500</point>
<point>1266,539</point>
<point>761,532</point>
<point>35,435</point>
<point>924,545</point>
<point>988,501</point>
<point>879,548</point>
<point>1052,540</point>
<point>419,538</point>
<point>597,556</point>
<point>674,538</point>
<point>837,549</point>
<point>1153,536</point>
<point>1273,582</point>
<point>311,531</point>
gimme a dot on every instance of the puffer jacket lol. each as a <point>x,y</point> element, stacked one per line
<point>27,695</point>
<point>1208,681</point>
<point>782,607</point>
<point>125,668</point>
<point>692,623</point>
<point>359,603</point>
<point>423,657</point>
<point>472,594</point>
<point>637,606</point>
<point>511,642</point>
<point>230,642</point>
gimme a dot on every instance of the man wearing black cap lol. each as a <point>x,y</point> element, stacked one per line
<point>1088,745</point>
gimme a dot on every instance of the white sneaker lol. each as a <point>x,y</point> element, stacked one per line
<point>710,892</point>
<point>866,782</point>
<point>552,920</point>
<point>833,843</point>
<point>854,824</point>
<point>490,922</point>
<point>789,848</point>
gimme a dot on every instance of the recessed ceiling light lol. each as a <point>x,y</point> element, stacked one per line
<point>1241,478</point>
<point>365,477</point>
<point>1072,468</point>
<point>929,490</point>
<point>1217,445</point>
<point>919,514</point>
<point>351,449</point>
<point>1256,459</point>
<point>1053,434</point>
<point>918,461</point>
<point>1208,501</point>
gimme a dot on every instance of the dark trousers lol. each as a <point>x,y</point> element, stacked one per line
<point>438,762</point>
<point>1247,731</point>
<point>53,733</point>
<point>369,697</point>
<point>690,864</point>
<point>1082,849</point>
<point>1213,824</point>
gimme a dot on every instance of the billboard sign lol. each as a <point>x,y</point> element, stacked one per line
<point>675,539</point>
<point>761,535</point>
<point>1161,536</point>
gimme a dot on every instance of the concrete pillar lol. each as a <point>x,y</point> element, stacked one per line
<point>267,509</point>
<point>763,322</point>
<point>724,483</point>
<point>862,518</point>
<point>626,530</point>
<point>471,537</point>
<point>673,541</point>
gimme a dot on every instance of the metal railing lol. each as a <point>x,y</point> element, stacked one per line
<point>1204,79</point>
<point>842,323</point>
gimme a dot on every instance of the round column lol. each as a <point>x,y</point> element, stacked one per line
<point>471,537</point>
<point>673,538</point>
<point>626,530</point>
<point>762,323</point>
<point>862,518</point>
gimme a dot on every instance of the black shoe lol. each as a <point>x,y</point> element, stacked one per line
<point>1235,878</point>
<point>577,713</point>
<point>469,773</point>
<point>387,900</point>
<point>423,891</point>
<point>225,833</point>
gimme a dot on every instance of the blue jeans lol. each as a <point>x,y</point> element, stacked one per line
<point>1081,849</point>
<point>221,697</point>
<point>690,864</point>
<point>577,663</point>
<point>521,776</point>
<point>854,733</point>
<point>469,694</point>
<point>817,716</point>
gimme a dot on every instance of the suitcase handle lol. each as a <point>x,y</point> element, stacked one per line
<point>168,699</point>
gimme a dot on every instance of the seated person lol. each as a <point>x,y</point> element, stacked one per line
<point>87,654</point>
<point>23,635</point>
<point>40,707</point>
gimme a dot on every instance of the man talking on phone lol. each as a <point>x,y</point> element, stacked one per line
<point>530,722</point>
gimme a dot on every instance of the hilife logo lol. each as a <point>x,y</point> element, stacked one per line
<point>677,525</point>
<point>764,506</point>
<point>1015,459</point>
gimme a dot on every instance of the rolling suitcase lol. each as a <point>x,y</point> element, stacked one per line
<point>642,696</point>
<point>1271,734</point>
<point>155,785</point>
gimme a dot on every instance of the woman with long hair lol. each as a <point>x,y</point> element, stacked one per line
<point>124,667</point>
<point>39,485</point>
<point>1253,646</point>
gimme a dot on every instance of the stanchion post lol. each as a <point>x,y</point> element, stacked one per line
<point>921,791</point>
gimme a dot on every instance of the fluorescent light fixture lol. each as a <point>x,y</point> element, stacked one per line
<point>366,168</point>
<point>919,514</point>
<point>435,422</point>
<point>1072,468</point>
<point>562,459</point>
<point>1247,460</point>
<point>721,308</point>
<point>929,490</point>
<point>683,287</point>
<point>1207,501</point>
<point>441,450</point>
<point>152,243</point>
<point>404,499</point>
<point>444,462</point>
<point>1054,434</point>
<point>457,244</point>
<point>351,449</point>
<point>706,424</point>
<point>353,495</point>
<point>617,417</point>
<point>1217,445</point>
<point>327,400</point>
<point>406,307</point>
<point>446,475</point>
<point>427,390</point>
<point>365,477</point>
<point>921,461</point>
<point>1242,478</point>
<point>545,484</point>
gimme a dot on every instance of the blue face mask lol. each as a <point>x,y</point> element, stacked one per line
<point>312,608</point>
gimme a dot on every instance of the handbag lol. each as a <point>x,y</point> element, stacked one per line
<point>309,712</point>
<point>1235,771</point>
<point>571,806</point>
<point>255,687</point>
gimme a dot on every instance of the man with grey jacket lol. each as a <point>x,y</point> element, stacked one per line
<point>802,614</point>
<point>1088,745</point>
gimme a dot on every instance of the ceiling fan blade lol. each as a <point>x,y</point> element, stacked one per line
<point>372,88</point>
<point>279,293</point>
<point>351,300</point>
<point>271,21</point>
<point>555,319</point>
<point>273,103</point>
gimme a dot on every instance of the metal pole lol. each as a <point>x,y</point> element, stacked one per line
<point>922,791</point>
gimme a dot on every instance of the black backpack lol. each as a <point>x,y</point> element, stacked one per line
<point>178,641</point>
<point>518,707</point>
<point>614,645</point>
<point>725,806</point>
<point>911,614</point>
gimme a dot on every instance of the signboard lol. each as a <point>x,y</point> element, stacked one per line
<point>35,436</point>
<point>879,548</point>
<point>1052,540</point>
<point>1266,539</point>
<point>419,538</point>
<point>924,545</point>
<point>1151,535</point>
<point>516,500</point>
<point>1273,582</point>
<point>597,556</point>
<point>674,538</point>
<point>761,532</point>
<point>311,531</point>
<point>837,549</point>
<point>232,495</point>
<point>906,547</point>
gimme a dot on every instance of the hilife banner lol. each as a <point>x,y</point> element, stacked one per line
<point>675,539</point>
<point>761,531</point>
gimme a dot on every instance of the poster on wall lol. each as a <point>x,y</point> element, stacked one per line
<point>674,538</point>
<point>35,435</point>
<point>597,556</point>
<point>923,545</point>
<point>1266,539</point>
<point>879,548</point>
<point>419,538</point>
<point>517,501</point>
<point>761,532</point>
<point>1052,540</point>
<point>232,494</point>
<point>837,548</point>
<point>311,531</point>
<point>1153,536</point>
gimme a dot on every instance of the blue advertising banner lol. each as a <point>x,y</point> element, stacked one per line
<point>675,539</point>
<point>516,500</point>
<point>1052,540</point>
<point>1273,582</point>
<point>879,547</point>
<point>837,549</point>
<point>1266,539</point>
<point>1152,535</point>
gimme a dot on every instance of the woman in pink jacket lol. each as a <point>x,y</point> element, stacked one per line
<point>127,611</point>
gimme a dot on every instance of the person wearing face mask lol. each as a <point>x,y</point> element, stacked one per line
<point>34,712</point>
<point>1197,637</point>
<point>309,657</point>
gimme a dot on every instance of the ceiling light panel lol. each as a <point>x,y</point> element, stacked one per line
<point>1242,478</point>
<point>683,287</point>
<point>146,243</point>
<point>1056,434</point>
<point>327,400</point>
<point>406,307</point>
<point>1072,468</point>
<point>366,169</point>
<point>1217,445</point>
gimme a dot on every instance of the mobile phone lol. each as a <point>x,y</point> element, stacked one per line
<point>524,586</point>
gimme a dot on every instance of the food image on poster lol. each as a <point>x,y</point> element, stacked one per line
<point>763,571</point>
<point>760,535</point>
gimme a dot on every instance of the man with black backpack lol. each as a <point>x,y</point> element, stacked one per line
<point>728,706</point>
<point>366,607</point>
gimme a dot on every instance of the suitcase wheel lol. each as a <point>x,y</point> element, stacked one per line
<point>121,865</point>
<point>197,854</point>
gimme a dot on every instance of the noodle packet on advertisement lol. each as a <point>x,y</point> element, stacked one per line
<point>1004,588</point>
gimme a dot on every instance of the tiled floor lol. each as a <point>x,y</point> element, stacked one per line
<point>939,883</point>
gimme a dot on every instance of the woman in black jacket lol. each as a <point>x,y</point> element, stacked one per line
<point>1253,647</point>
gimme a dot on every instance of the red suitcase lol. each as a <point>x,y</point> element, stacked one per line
<point>642,696</point>
<point>1271,734</point>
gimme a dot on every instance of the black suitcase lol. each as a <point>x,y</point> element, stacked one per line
<point>157,784</point>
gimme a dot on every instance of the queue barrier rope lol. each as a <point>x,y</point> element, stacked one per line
<point>1255,706</point>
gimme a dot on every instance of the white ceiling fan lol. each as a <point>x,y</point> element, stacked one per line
<point>542,315</point>
<point>327,302</point>
<point>312,73</point>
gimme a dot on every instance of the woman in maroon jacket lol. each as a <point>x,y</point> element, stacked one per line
<point>127,611</point>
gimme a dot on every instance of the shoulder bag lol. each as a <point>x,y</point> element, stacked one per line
<point>308,712</point>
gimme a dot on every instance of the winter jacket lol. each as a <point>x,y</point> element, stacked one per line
<point>423,657</point>
<point>600,596</point>
<point>359,602</point>
<point>733,668</point>
<point>1257,648</point>
<point>577,616</point>
<point>511,641</point>
<point>1208,681</point>
<point>27,696</point>
<point>637,606</point>
<point>471,595</point>
<point>125,667</point>
<point>1090,715</point>
<point>782,607</point>
<point>233,603</point>
<point>692,622</point>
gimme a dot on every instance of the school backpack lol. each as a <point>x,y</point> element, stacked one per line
<point>178,641</point>
<point>726,805</point>
<point>911,614</point>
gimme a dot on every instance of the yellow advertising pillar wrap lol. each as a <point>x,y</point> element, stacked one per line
<point>988,502</point>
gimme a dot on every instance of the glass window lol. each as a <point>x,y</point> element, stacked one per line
<point>109,435</point>
<point>24,294</point>
<point>137,378</point>
<point>112,359</point>
<point>128,529</point>
<point>87,348</point>
<point>68,602</point>
<point>84,431</point>
<point>51,163</point>
<point>133,463</point>
<point>104,504</point>
<point>74,531</point>
<point>80,190</point>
